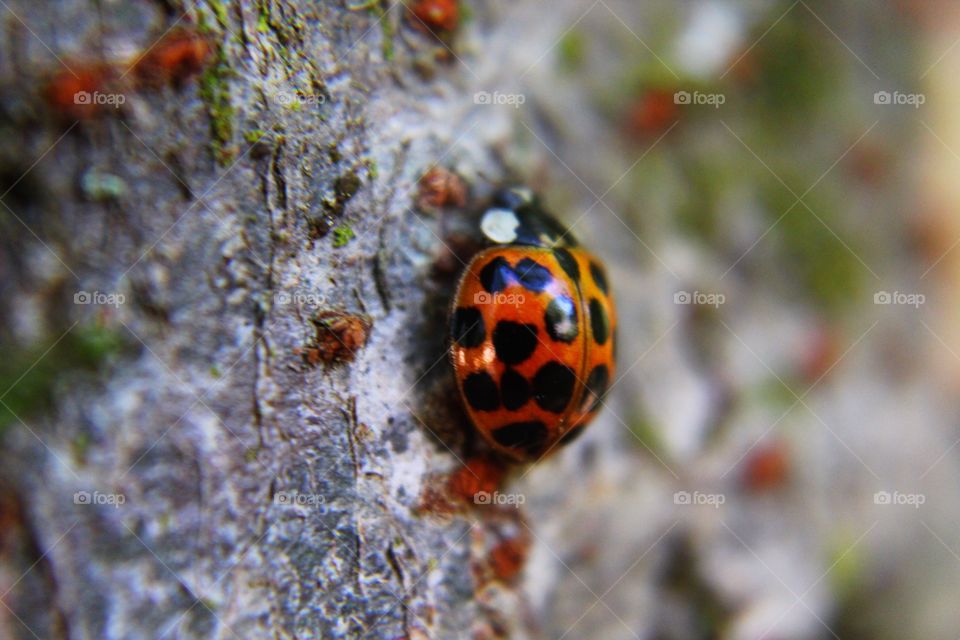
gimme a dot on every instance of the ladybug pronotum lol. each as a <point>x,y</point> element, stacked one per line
<point>533,331</point>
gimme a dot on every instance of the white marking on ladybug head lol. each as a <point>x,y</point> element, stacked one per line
<point>500,225</point>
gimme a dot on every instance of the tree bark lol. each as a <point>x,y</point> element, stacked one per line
<point>228,487</point>
<point>226,407</point>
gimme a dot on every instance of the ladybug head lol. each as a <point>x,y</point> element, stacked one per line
<point>517,217</point>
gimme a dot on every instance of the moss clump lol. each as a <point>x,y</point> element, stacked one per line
<point>254,135</point>
<point>215,93</point>
<point>342,235</point>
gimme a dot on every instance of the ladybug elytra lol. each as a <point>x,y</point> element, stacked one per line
<point>532,329</point>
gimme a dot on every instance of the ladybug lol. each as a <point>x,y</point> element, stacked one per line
<point>532,330</point>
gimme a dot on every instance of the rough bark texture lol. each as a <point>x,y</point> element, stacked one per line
<point>223,250</point>
<point>267,496</point>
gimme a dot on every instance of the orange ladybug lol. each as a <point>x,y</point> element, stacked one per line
<point>533,331</point>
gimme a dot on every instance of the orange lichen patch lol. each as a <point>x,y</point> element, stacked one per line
<point>508,557</point>
<point>339,337</point>
<point>499,550</point>
<point>435,501</point>
<point>179,55</point>
<point>441,187</point>
<point>466,486</point>
<point>481,474</point>
<point>652,113</point>
<point>435,15</point>
<point>767,467</point>
<point>82,90</point>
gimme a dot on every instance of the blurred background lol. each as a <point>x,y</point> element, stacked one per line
<point>773,185</point>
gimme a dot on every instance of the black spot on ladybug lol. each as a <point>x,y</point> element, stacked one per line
<point>553,386</point>
<point>529,436</point>
<point>467,328</point>
<point>514,389</point>
<point>514,342</point>
<point>560,319</point>
<point>568,263</point>
<point>599,277</point>
<point>481,391</point>
<point>597,383</point>
<point>532,275</point>
<point>599,322</point>
<point>495,276</point>
<point>571,435</point>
